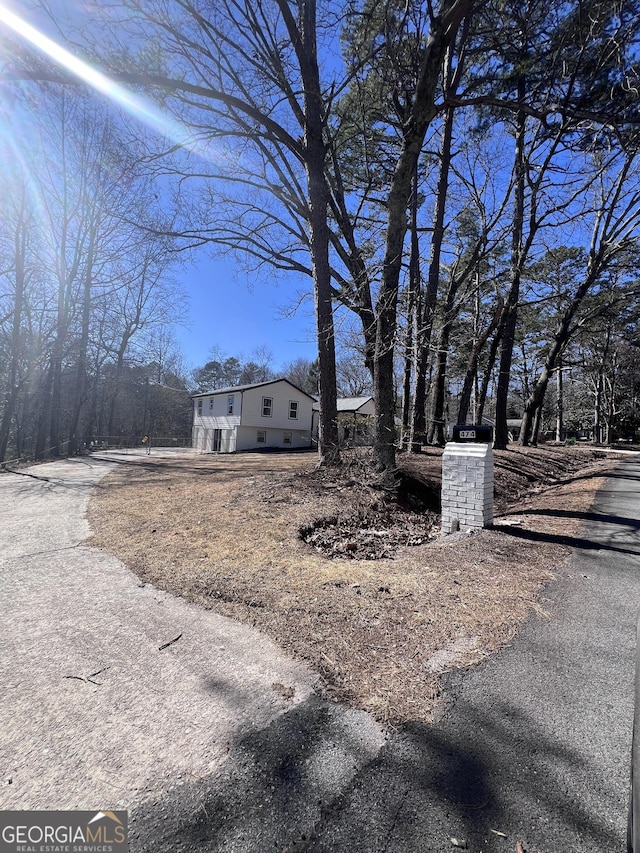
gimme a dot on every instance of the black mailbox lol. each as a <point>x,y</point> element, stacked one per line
<point>473,432</point>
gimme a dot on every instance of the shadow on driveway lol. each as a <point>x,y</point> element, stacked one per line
<point>295,787</point>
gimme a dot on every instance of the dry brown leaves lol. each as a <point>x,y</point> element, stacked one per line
<point>224,531</point>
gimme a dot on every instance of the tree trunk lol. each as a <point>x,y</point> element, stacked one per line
<point>471,374</point>
<point>443,33</point>
<point>611,408</point>
<point>11,396</point>
<point>113,403</point>
<point>560,340</point>
<point>79,390</point>
<point>315,161</point>
<point>559,403</point>
<point>511,307</point>
<point>491,360</point>
<point>437,431</point>
<point>534,404</point>
<point>303,37</point>
<point>57,355</point>
<point>598,432</point>
<point>537,421</point>
<point>127,334</point>
<point>423,342</point>
<point>44,415</point>
<point>413,310</point>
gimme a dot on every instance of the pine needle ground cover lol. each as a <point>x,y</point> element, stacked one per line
<point>361,587</point>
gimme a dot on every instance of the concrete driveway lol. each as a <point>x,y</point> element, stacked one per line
<point>102,705</point>
<point>534,747</point>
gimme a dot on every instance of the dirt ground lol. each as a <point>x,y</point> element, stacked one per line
<point>362,588</point>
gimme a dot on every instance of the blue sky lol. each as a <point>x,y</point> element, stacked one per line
<point>237,314</point>
<point>227,309</point>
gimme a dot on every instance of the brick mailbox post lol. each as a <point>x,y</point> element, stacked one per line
<point>467,480</point>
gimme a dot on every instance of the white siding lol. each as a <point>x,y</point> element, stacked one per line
<point>247,438</point>
<point>214,416</point>
<point>215,410</point>
<point>282,394</point>
<point>203,439</point>
<point>239,431</point>
<point>197,438</point>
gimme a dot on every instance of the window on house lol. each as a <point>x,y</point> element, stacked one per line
<point>200,408</point>
<point>287,438</point>
<point>230,404</point>
<point>293,409</point>
<point>262,436</point>
<point>211,404</point>
<point>267,407</point>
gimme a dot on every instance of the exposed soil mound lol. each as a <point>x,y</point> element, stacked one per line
<point>372,520</point>
<point>371,535</point>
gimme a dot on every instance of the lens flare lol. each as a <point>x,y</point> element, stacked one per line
<point>140,107</point>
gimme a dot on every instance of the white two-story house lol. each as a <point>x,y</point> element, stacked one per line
<point>273,414</point>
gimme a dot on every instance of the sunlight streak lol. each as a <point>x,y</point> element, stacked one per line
<point>137,106</point>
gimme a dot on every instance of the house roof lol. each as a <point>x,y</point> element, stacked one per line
<point>238,388</point>
<point>346,404</point>
<point>352,404</point>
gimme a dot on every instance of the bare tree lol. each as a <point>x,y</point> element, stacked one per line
<point>16,234</point>
<point>89,245</point>
<point>302,372</point>
<point>265,119</point>
<point>249,76</point>
<point>245,76</point>
<point>616,225</point>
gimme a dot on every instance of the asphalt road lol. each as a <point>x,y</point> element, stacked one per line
<point>534,747</point>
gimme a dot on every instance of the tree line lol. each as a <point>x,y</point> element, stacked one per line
<point>461,180</point>
<point>87,292</point>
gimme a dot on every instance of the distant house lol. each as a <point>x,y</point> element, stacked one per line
<point>514,426</point>
<point>355,420</point>
<point>274,414</point>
